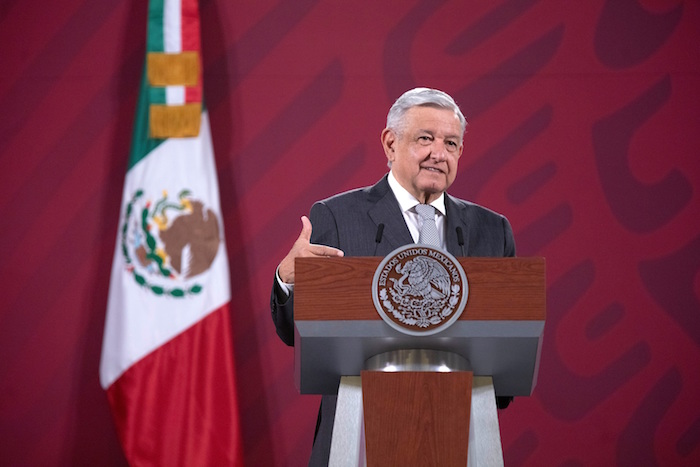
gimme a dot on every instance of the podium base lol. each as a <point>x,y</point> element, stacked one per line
<point>485,447</point>
<point>348,442</point>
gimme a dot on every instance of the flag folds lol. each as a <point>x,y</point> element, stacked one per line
<point>167,361</point>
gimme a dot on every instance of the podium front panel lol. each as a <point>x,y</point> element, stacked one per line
<point>337,328</point>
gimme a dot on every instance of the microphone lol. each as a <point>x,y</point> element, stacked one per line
<point>378,237</point>
<point>460,239</point>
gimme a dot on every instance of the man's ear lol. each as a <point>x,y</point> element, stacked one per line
<point>389,144</point>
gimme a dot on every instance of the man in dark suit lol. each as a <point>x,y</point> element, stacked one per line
<point>423,141</point>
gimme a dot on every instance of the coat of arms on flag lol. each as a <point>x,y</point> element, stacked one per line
<point>166,243</point>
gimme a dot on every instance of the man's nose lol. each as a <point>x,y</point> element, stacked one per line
<point>439,150</point>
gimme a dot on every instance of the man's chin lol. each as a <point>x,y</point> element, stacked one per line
<point>433,186</point>
<point>431,192</point>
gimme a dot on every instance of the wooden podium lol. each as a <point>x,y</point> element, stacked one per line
<point>419,415</point>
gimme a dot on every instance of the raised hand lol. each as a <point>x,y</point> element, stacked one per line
<point>304,248</point>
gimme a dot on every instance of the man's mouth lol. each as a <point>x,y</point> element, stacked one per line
<point>432,169</point>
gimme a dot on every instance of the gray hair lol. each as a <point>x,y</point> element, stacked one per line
<point>421,97</point>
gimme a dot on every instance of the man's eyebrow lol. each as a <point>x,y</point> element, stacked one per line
<point>432,133</point>
<point>452,136</point>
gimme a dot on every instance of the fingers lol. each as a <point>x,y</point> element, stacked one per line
<point>323,250</point>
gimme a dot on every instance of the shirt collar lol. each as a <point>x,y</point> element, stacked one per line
<point>407,201</point>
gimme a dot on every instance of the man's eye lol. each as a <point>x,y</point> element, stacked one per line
<point>425,139</point>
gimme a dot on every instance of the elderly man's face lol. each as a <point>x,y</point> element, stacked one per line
<point>425,154</point>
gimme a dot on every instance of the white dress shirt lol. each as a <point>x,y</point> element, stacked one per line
<point>407,203</point>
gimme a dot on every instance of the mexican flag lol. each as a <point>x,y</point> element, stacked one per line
<point>167,357</point>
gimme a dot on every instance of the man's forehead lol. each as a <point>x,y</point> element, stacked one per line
<point>433,112</point>
<point>440,121</point>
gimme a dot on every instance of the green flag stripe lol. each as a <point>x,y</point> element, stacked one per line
<point>141,144</point>
<point>156,94</point>
<point>154,41</point>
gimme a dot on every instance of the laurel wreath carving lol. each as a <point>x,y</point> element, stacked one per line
<point>423,315</point>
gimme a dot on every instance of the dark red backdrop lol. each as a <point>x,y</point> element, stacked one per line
<point>583,131</point>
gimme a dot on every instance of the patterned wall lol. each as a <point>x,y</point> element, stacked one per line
<point>583,131</point>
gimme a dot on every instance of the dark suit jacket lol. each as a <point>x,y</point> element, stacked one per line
<point>349,221</point>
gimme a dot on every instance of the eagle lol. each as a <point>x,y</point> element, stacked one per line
<point>423,277</point>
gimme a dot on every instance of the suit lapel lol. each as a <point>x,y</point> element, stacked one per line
<point>456,219</point>
<point>385,210</point>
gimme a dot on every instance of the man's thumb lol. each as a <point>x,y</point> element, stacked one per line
<point>305,229</point>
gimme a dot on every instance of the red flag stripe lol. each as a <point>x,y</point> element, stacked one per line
<point>200,362</point>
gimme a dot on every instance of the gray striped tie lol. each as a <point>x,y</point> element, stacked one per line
<point>428,232</point>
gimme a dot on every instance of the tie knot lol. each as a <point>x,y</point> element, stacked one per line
<point>426,211</point>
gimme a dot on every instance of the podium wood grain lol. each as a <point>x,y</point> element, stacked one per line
<point>499,288</point>
<point>416,418</point>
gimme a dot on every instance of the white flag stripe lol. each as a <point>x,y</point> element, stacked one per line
<point>174,95</point>
<point>172,27</point>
